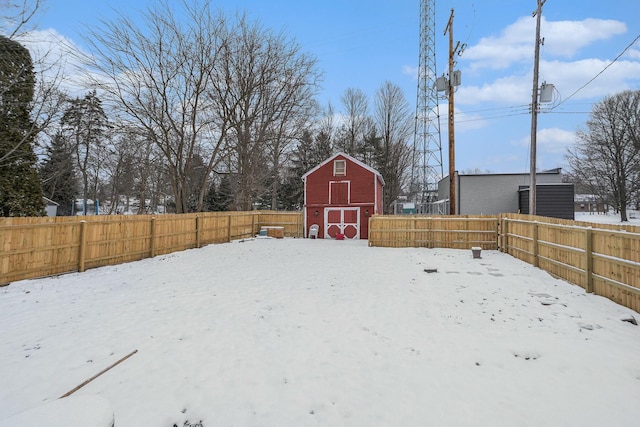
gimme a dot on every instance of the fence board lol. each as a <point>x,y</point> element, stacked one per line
<point>454,232</point>
<point>605,260</point>
<point>45,246</point>
<point>291,221</point>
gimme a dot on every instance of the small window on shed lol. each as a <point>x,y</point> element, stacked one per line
<point>339,168</point>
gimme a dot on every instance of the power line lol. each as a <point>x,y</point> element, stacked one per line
<point>499,108</point>
<point>602,71</point>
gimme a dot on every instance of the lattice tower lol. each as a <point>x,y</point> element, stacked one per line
<point>426,168</point>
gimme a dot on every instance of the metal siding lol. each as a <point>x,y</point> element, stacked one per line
<point>488,194</point>
<point>555,201</point>
<point>491,194</point>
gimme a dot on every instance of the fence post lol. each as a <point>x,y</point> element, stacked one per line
<point>253,223</point>
<point>505,235</point>
<point>152,243</point>
<point>588,253</point>
<point>228,227</point>
<point>535,244</point>
<point>414,233</point>
<point>83,245</point>
<point>198,226</point>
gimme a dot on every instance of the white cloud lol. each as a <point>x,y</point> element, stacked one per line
<point>555,140</point>
<point>515,43</point>
<point>633,53</point>
<point>511,90</point>
<point>410,71</point>
<point>512,45</point>
<point>566,38</point>
<point>567,77</point>
<point>549,140</point>
<point>57,58</point>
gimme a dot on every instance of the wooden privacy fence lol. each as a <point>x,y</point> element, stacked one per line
<point>603,259</point>
<point>453,232</point>
<point>38,247</point>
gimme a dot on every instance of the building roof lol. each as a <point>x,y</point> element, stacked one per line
<point>556,171</point>
<point>356,161</point>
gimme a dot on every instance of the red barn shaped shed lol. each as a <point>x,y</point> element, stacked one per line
<point>340,194</point>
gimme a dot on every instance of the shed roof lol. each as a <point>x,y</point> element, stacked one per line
<point>348,157</point>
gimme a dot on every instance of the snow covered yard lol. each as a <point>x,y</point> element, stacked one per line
<point>299,332</point>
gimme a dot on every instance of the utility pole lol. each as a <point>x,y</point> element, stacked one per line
<point>534,112</point>
<point>452,150</point>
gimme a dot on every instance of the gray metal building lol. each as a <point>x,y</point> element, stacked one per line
<point>489,194</point>
<point>552,200</point>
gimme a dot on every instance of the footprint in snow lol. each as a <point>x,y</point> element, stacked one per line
<point>526,355</point>
<point>588,326</point>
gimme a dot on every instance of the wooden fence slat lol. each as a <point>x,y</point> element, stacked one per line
<point>588,255</point>
<point>44,246</point>
<point>152,243</point>
<point>83,245</point>
<point>601,259</point>
<point>604,261</point>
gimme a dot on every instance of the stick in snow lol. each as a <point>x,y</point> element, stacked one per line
<point>78,387</point>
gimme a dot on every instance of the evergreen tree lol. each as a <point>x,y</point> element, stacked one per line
<point>59,180</point>
<point>323,148</point>
<point>226,194</point>
<point>84,125</point>
<point>219,199</point>
<point>210,198</point>
<point>306,156</point>
<point>20,186</point>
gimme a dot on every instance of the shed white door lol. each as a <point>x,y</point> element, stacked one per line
<point>342,220</point>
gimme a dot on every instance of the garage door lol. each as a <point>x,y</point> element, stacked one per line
<point>342,220</point>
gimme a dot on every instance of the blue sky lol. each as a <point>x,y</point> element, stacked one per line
<point>361,44</point>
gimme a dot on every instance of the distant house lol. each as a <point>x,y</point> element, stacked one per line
<point>51,207</point>
<point>340,194</point>
<point>589,203</point>
<point>490,194</point>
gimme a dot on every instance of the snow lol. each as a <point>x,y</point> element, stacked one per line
<point>301,332</point>
<point>74,411</point>
<point>609,218</point>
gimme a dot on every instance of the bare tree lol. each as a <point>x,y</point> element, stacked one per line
<point>393,118</point>
<point>607,155</point>
<point>159,72</point>
<point>16,17</point>
<point>326,135</point>
<point>353,130</point>
<point>266,87</point>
